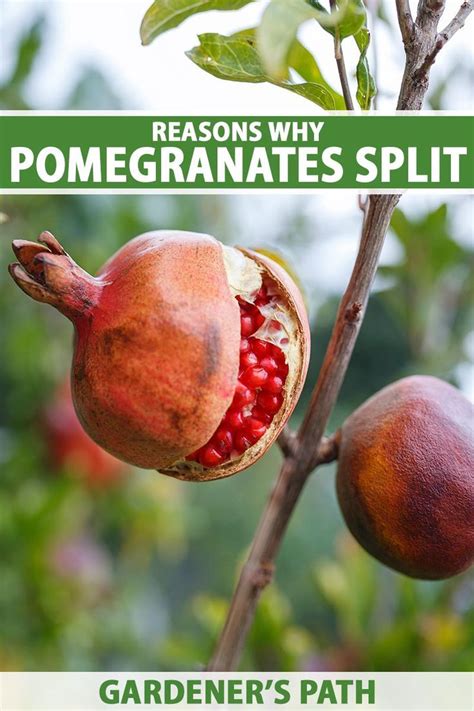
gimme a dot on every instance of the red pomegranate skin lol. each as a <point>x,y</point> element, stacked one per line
<point>405,478</point>
<point>155,366</point>
<point>157,337</point>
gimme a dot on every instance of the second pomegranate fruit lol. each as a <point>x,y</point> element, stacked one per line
<point>405,477</point>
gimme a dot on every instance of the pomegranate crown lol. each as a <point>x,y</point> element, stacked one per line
<point>48,274</point>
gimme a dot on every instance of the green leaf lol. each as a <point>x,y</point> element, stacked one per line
<point>366,89</point>
<point>27,52</point>
<point>303,62</point>
<point>362,39</point>
<point>316,93</point>
<point>355,17</point>
<point>163,15</point>
<point>350,17</point>
<point>365,84</point>
<point>277,31</point>
<point>236,58</point>
<point>282,19</point>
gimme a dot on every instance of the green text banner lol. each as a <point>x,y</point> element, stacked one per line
<point>77,152</point>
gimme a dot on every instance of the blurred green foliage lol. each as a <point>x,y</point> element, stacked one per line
<point>138,575</point>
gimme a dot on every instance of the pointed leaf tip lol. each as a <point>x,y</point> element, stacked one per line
<point>164,15</point>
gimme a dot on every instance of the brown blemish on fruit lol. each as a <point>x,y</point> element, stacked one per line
<point>212,353</point>
<point>115,338</point>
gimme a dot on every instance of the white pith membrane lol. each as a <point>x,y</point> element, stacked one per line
<point>281,328</point>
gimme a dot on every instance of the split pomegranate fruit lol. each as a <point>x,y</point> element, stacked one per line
<point>189,356</point>
<point>405,478</point>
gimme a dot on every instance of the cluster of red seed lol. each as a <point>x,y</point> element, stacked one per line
<point>258,394</point>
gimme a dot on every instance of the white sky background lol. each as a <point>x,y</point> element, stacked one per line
<point>160,78</point>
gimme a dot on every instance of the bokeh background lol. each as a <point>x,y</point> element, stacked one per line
<point>105,567</point>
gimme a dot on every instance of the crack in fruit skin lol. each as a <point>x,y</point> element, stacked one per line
<point>258,393</point>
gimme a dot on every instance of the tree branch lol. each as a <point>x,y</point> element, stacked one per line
<point>341,68</point>
<point>444,36</point>
<point>417,55</point>
<point>256,573</point>
<point>457,23</point>
<point>310,448</point>
<point>405,21</point>
<point>287,442</point>
<point>328,450</point>
<point>429,12</point>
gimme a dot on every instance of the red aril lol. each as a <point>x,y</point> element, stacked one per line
<point>269,364</point>
<point>260,348</point>
<point>247,360</point>
<point>254,377</point>
<point>242,442</point>
<point>262,415</point>
<point>243,396</point>
<point>209,456</point>
<point>269,403</point>
<point>253,428</point>
<point>222,439</point>
<point>189,355</point>
<point>247,325</point>
<point>234,419</point>
<point>244,345</point>
<point>273,384</point>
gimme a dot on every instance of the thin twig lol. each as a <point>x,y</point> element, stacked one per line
<point>363,203</point>
<point>287,442</point>
<point>341,65</point>
<point>419,55</point>
<point>310,447</point>
<point>405,21</point>
<point>328,450</point>
<point>346,328</point>
<point>444,36</point>
<point>341,68</point>
<point>429,12</point>
<point>457,23</point>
